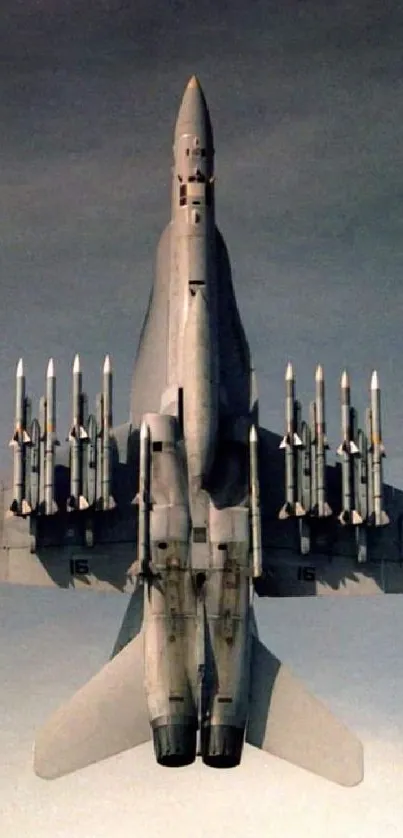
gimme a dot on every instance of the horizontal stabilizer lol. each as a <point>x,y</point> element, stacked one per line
<point>132,621</point>
<point>106,716</point>
<point>289,722</point>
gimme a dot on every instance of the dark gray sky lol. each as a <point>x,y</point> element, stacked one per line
<point>307,108</point>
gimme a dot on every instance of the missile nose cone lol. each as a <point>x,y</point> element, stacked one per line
<point>289,373</point>
<point>76,365</point>
<point>50,373</point>
<point>319,373</point>
<point>374,381</point>
<point>107,365</point>
<point>20,369</point>
<point>193,82</point>
<point>345,381</point>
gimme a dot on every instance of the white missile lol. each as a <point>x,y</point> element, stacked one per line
<point>347,443</point>
<point>291,438</point>
<point>380,518</point>
<point>255,503</point>
<point>290,442</point>
<point>322,508</point>
<point>347,450</point>
<point>50,440</point>
<point>78,435</point>
<point>19,441</point>
<point>107,499</point>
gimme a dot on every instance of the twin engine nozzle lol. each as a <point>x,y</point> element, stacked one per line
<point>175,745</point>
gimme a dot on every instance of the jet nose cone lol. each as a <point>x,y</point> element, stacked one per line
<point>194,118</point>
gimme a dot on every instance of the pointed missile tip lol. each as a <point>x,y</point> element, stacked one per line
<point>20,369</point>
<point>50,372</point>
<point>76,364</point>
<point>193,82</point>
<point>319,373</point>
<point>374,381</point>
<point>107,365</point>
<point>289,373</point>
<point>345,381</point>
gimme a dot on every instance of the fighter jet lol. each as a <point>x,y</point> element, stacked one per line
<point>192,672</point>
<point>168,506</point>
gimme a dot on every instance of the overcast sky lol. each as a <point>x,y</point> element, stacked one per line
<point>307,109</point>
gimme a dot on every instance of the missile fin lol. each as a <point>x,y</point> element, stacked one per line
<point>25,438</point>
<point>78,433</point>
<point>348,446</point>
<point>350,516</point>
<point>289,441</point>
<point>25,508</point>
<point>289,722</point>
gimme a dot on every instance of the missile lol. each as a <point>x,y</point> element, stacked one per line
<point>291,437</point>
<point>107,499</point>
<point>50,440</point>
<point>99,419</point>
<point>290,442</point>
<point>19,441</point>
<point>77,430</point>
<point>312,438</point>
<point>305,466</point>
<point>77,436</point>
<point>35,467</point>
<point>380,518</point>
<point>347,445</point>
<point>370,471</point>
<point>42,428</point>
<point>144,558</point>
<point>361,476</point>
<point>91,470</point>
<point>347,449</point>
<point>255,504</point>
<point>322,508</point>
